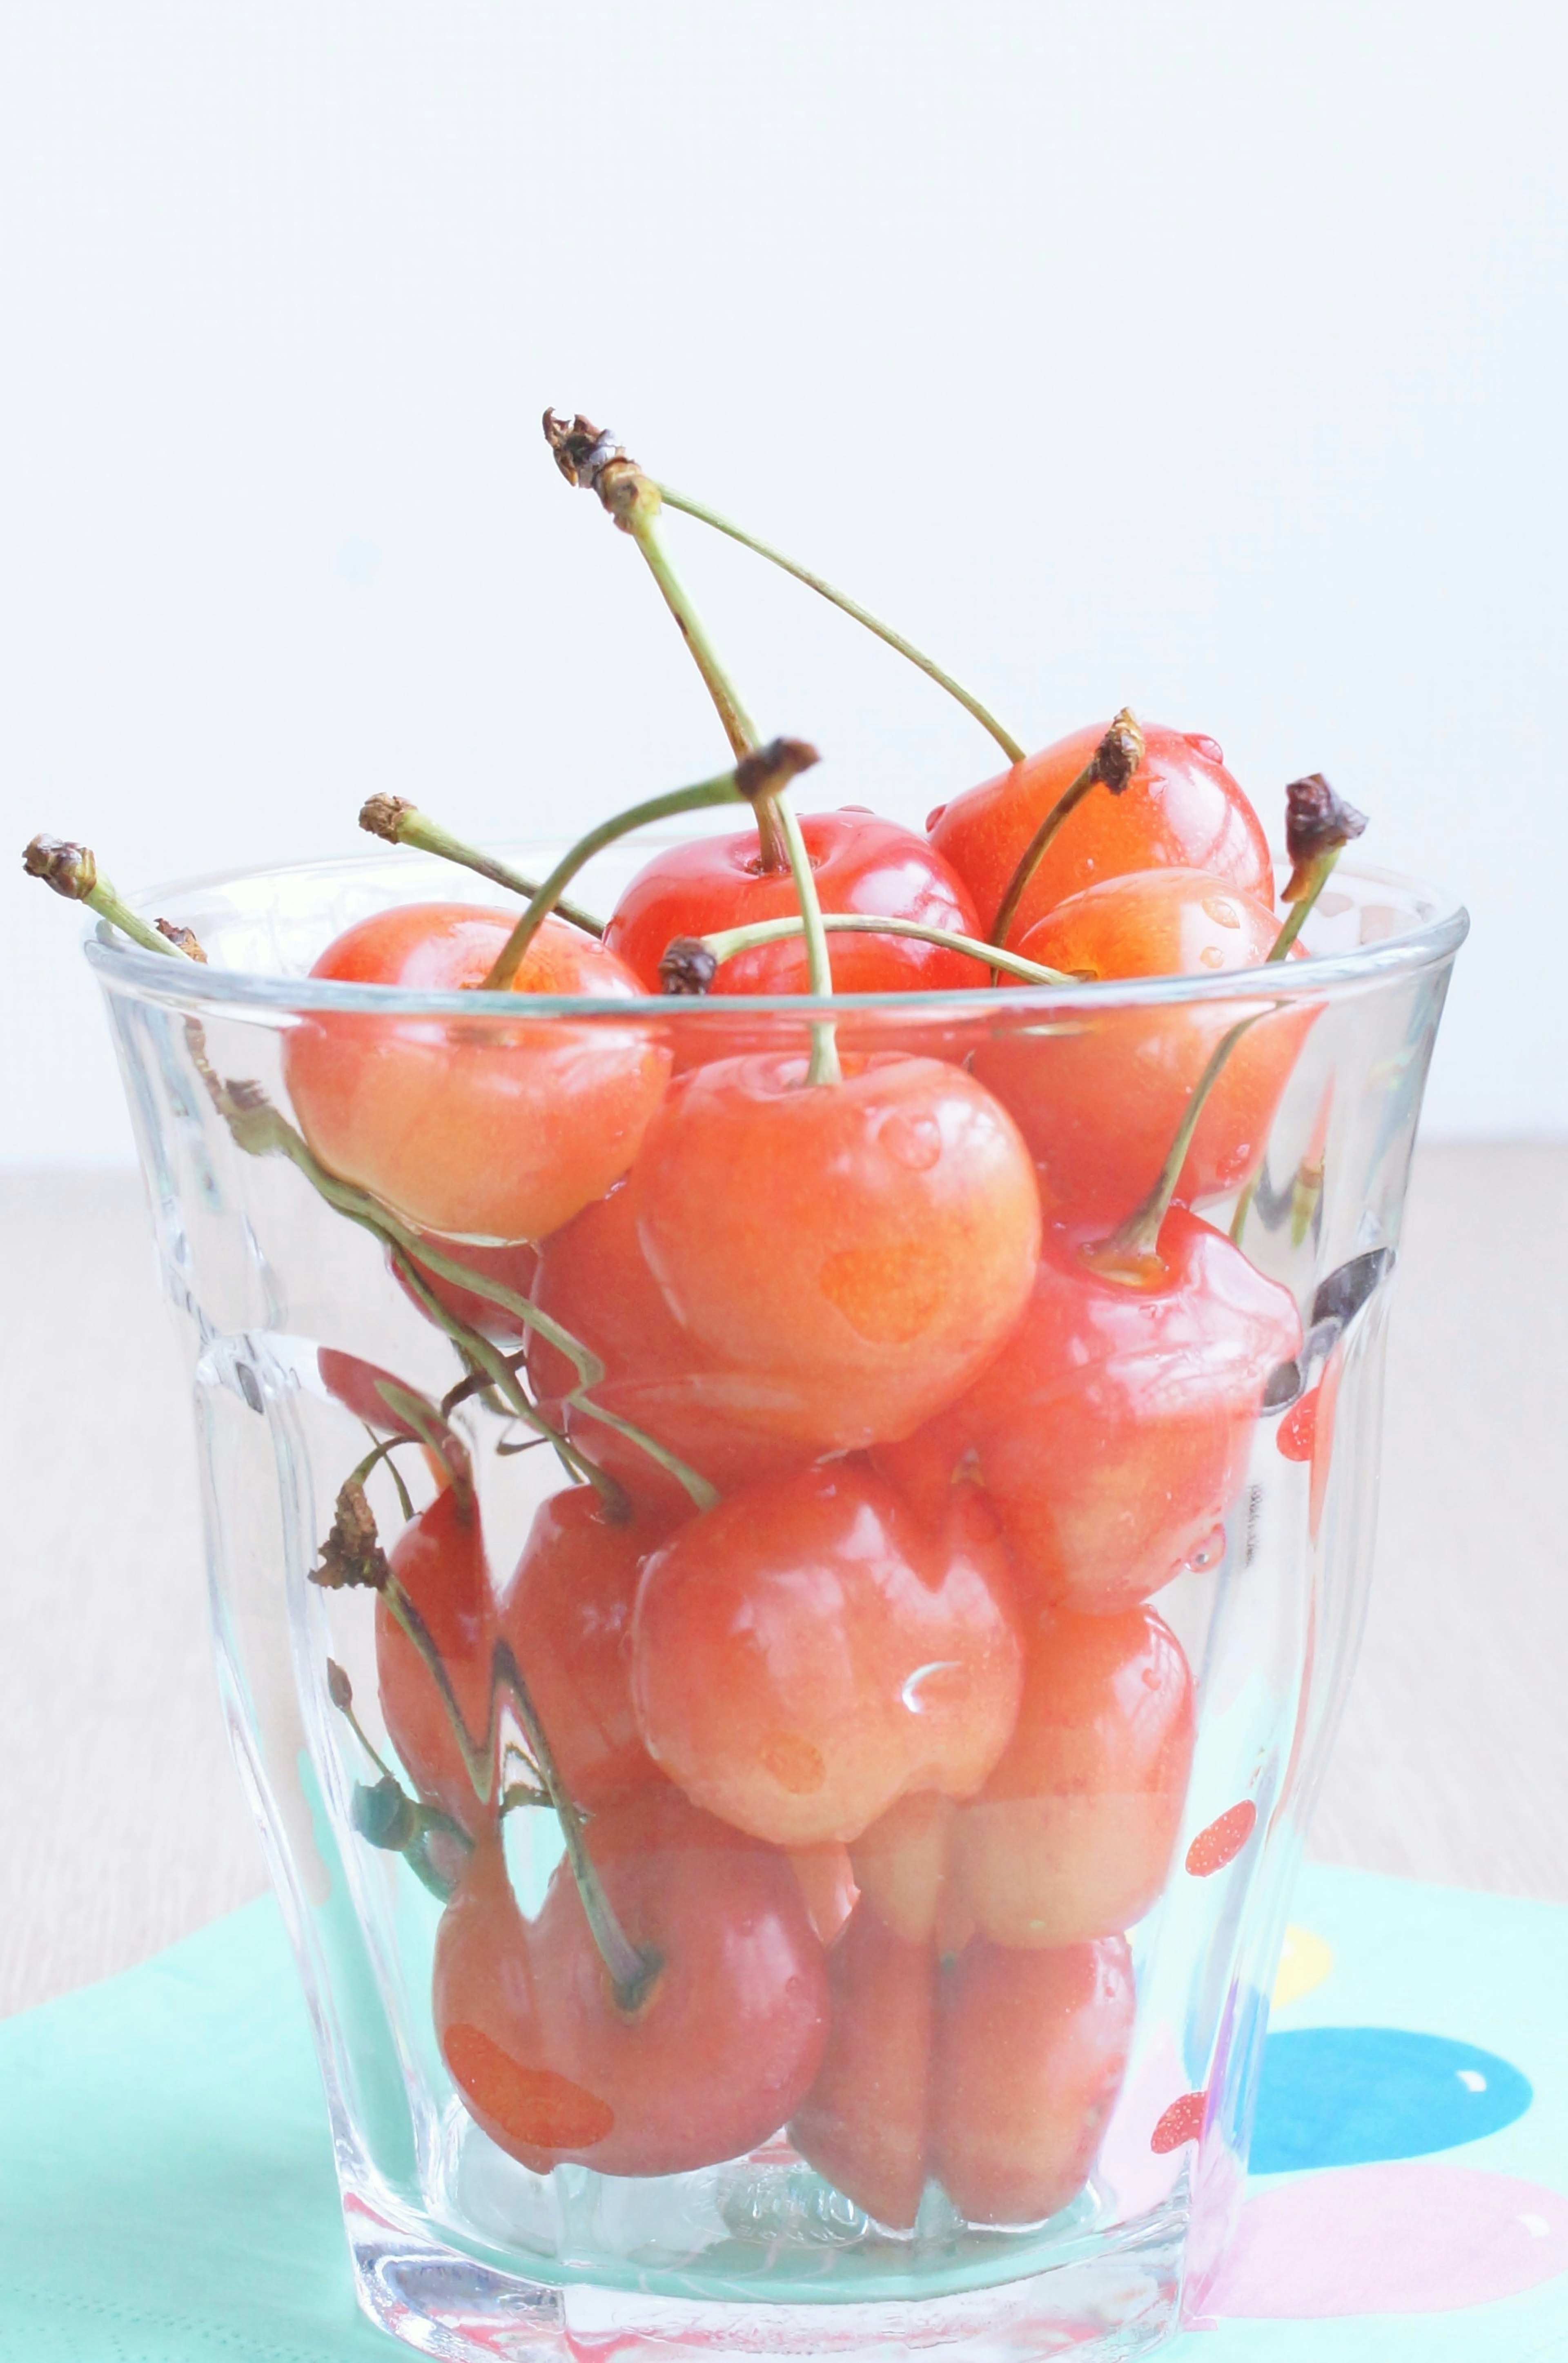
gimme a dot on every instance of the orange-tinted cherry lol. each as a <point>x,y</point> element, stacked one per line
<point>1072,1834</point>
<point>903,1864</point>
<point>863,2125</point>
<point>713,2057</point>
<point>593,1279</point>
<point>827,1884</point>
<point>861,863</point>
<point>567,1615</point>
<point>1113,1430</point>
<point>483,1130</point>
<point>1031,2052</point>
<point>860,1250</point>
<point>809,1652</point>
<point>1100,1106</point>
<point>440,1565</point>
<point>1181,806</point>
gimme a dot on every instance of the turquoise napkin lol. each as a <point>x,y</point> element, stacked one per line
<point>166,2186</point>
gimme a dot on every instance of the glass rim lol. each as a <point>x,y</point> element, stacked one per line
<point>126,966</point>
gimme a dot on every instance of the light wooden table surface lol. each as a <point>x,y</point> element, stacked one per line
<point>124,1827</point>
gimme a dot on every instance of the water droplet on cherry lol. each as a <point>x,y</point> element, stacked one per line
<point>1209,748</point>
<point>914,1140</point>
<point>1223,913</point>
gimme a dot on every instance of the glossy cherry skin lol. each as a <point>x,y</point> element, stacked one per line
<point>863,2125</point>
<point>1031,2051</point>
<point>1100,1106</point>
<point>1113,1431</point>
<point>567,1615</point>
<point>809,1652</point>
<point>860,1250</point>
<point>1072,1836</point>
<point>904,1865</point>
<point>594,1279</point>
<point>476,1129</point>
<point>440,1564</point>
<point>712,2061</point>
<point>1182,806</point>
<point>827,1884</point>
<point>861,863</point>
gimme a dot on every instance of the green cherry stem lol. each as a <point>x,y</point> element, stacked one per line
<point>590,457</point>
<point>341,1692</point>
<point>730,943</point>
<point>720,791</point>
<point>630,1970</point>
<point>1114,762</point>
<point>823,1065</point>
<point>72,871</point>
<point>885,632</point>
<point>758,777</point>
<point>1319,825</point>
<point>1132,1249</point>
<point>259,1129</point>
<point>398,822</point>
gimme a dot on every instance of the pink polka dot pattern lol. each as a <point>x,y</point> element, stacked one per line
<point>1411,2238</point>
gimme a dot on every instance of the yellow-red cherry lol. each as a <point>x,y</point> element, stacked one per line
<point>440,1566</point>
<point>1181,806</point>
<point>859,1251</point>
<point>1100,1104</point>
<point>809,1651</point>
<point>707,2062</point>
<point>480,1129</point>
<point>1072,1834</point>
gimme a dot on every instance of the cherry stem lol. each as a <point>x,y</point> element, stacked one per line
<point>630,1971</point>
<point>1316,873</point>
<point>823,1065</point>
<point>342,1693</point>
<point>724,790</point>
<point>885,632</point>
<point>398,822</point>
<point>732,942</point>
<point>72,871</point>
<point>1114,762</point>
<point>592,458</point>
<point>1135,1244</point>
<point>259,1129</point>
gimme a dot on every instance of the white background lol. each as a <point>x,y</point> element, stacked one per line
<point>1206,357</point>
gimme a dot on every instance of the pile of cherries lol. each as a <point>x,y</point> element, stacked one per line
<point>899,1381</point>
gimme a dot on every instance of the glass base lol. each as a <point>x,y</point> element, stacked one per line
<point>1117,2302</point>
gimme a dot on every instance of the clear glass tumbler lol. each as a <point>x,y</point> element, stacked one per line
<point>783,1745</point>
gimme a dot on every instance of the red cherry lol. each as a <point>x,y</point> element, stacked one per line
<point>1031,2052</point>
<point>515,1265</point>
<point>863,2125</point>
<point>1071,1835</point>
<point>593,1279</point>
<point>1100,1106</point>
<point>712,2060</point>
<point>478,1129</point>
<point>568,1618</point>
<point>1112,1432</point>
<point>903,1867</point>
<point>439,1563</point>
<point>807,1652</point>
<point>861,1249</point>
<point>1182,806</point>
<point>861,863</point>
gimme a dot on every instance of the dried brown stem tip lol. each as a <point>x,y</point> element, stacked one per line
<point>1317,821</point>
<point>687,968</point>
<point>383,817</point>
<point>351,1555</point>
<point>767,768</point>
<point>590,456</point>
<point>69,868</point>
<point>182,939</point>
<point>1119,753</point>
